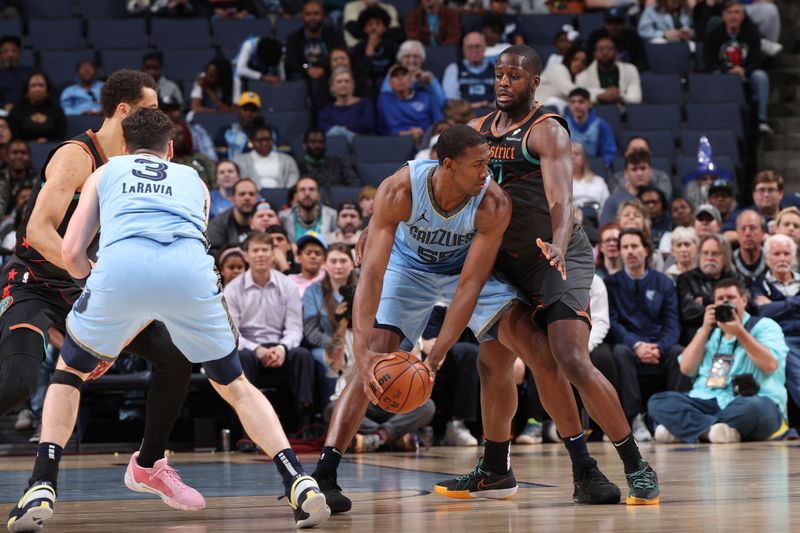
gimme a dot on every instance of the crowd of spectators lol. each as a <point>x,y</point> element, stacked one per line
<point>670,248</point>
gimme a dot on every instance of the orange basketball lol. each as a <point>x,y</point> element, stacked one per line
<point>405,383</point>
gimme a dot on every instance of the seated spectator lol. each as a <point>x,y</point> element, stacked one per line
<point>267,310</point>
<point>667,21</point>
<point>696,287</point>
<point>660,179</point>
<point>684,252</point>
<point>230,263</point>
<point>767,200</point>
<point>5,134</point>
<point>405,111</point>
<point>352,10</point>
<point>348,115</point>
<point>682,215</point>
<point>411,55</point>
<point>16,173</point>
<point>776,295</point>
<point>472,78</point>
<point>707,220</point>
<point>212,91</point>
<point>328,170</point>
<point>609,260</point>
<point>12,72</point>
<point>348,225</point>
<point>264,216</point>
<point>563,42</point>
<point>788,223</point>
<point>720,354</point>
<point>312,251</point>
<point>9,225</point>
<point>499,9</point>
<point>164,8</point>
<point>629,45</point>
<point>376,50</point>
<point>720,195</point>
<point>366,201</point>
<point>37,117</point>
<point>558,79</point>
<point>168,91</point>
<point>258,59</point>
<point>309,213</point>
<point>587,187</point>
<point>232,227</point>
<point>656,204</point>
<point>696,184</point>
<point>633,215</point>
<point>184,153</point>
<point>638,173</point>
<point>644,326</point>
<point>749,258</point>
<point>201,140</point>
<point>609,80</point>
<point>234,140</point>
<point>734,47</point>
<point>83,98</point>
<point>231,9</point>
<point>283,259</point>
<point>589,130</point>
<point>268,168</point>
<point>227,174</point>
<point>492,29</point>
<point>434,24</point>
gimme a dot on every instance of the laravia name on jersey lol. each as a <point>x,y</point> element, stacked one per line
<point>146,188</point>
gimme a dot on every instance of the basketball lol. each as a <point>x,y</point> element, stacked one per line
<point>405,383</point>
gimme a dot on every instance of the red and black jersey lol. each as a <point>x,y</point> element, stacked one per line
<point>41,269</point>
<point>519,173</point>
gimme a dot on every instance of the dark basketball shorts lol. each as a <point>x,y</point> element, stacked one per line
<point>551,297</point>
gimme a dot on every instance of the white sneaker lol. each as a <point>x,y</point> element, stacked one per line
<point>639,429</point>
<point>765,129</point>
<point>663,435</point>
<point>24,420</point>
<point>771,48</point>
<point>723,434</point>
<point>457,434</point>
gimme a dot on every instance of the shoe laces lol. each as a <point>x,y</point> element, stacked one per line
<point>644,478</point>
<point>169,473</point>
<point>476,472</point>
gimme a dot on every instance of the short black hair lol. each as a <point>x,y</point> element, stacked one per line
<point>571,52</point>
<point>276,229</point>
<point>124,86</point>
<point>261,127</point>
<point>730,3</point>
<point>269,51</point>
<point>23,95</point>
<point>530,57</point>
<point>455,140</point>
<point>651,188</point>
<point>724,283</point>
<point>637,157</point>
<point>11,39</point>
<point>154,56</point>
<point>348,204</point>
<point>581,92</point>
<point>494,22</point>
<point>148,129</point>
<point>642,137</point>
<point>82,61</point>
<point>310,131</point>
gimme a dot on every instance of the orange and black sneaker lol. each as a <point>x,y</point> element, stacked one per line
<point>643,485</point>
<point>479,483</point>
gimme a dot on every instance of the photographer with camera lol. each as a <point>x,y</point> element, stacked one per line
<point>332,341</point>
<point>738,364</point>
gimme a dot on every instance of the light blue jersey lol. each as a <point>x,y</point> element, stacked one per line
<point>144,196</point>
<point>434,240</point>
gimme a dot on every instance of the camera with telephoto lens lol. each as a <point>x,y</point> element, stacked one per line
<point>723,313</point>
<point>347,292</point>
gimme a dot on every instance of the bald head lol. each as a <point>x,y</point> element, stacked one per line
<point>750,230</point>
<point>526,57</point>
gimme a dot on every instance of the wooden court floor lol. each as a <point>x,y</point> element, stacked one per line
<point>744,487</point>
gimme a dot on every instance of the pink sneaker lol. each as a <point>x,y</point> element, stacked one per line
<point>164,481</point>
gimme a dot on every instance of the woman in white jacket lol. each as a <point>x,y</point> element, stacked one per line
<point>558,79</point>
<point>268,168</point>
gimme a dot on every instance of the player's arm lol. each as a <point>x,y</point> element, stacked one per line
<point>66,173</point>
<point>82,228</point>
<point>491,222</point>
<point>392,205</point>
<point>552,143</point>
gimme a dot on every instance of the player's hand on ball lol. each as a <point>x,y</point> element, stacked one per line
<point>433,363</point>
<point>555,256</point>
<point>365,370</point>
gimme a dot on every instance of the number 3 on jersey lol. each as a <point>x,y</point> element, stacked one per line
<point>153,170</point>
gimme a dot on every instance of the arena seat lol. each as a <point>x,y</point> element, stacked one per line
<point>541,29</point>
<point>662,88</point>
<point>715,117</point>
<point>375,173</point>
<point>117,34</point>
<point>186,64</point>
<point>340,194</point>
<point>113,60</point>
<point>660,141</point>
<point>276,197</point>
<point>60,64</point>
<point>610,113</point>
<point>77,124</point>
<point>47,9</point>
<point>337,145</point>
<point>230,34</point>
<point>403,7</point>
<point>289,123</point>
<point>723,142</point>
<point>598,166</point>
<point>288,96</point>
<point>655,117</point>
<point>590,22</point>
<point>52,34</point>
<point>376,149</point>
<point>39,152</point>
<point>179,33</point>
<point>11,27</point>
<point>669,58</point>
<point>438,57</point>
<point>102,9</point>
<point>716,88</point>
<point>213,122</point>
<point>284,27</point>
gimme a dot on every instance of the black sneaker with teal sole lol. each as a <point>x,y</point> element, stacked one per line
<point>479,483</point>
<point>338,502</point>
<point>643,486</point>
<point>593,487</point>
<point>308,503</point>
<point>35,506</point>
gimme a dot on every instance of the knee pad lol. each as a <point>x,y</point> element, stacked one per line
<point>225,370</point>
<point>62,377</point>
<point>77,357</point>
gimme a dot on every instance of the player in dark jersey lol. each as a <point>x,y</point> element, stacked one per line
<point>549,258</point>
<point>38,292</point>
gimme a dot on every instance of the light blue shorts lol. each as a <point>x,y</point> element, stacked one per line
<point>137,281</point>
<point>409,296</point>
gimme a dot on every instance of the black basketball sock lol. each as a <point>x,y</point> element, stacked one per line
<point>496,456</point>
<point>628,451</point>
<point>45,468</point>
<point>289,467</point>
<point>578,452</point>
<point>328,462</point>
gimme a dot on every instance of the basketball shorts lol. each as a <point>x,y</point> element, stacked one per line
<point>137,281</point>
<point>541,284</point>
<point>409,296</point>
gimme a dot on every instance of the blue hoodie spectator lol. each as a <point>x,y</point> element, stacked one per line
<point>414,109</point>
<point>589,130</point>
